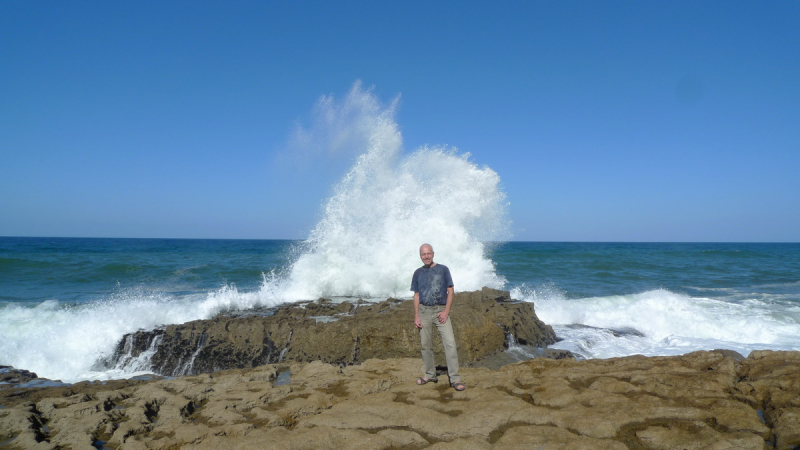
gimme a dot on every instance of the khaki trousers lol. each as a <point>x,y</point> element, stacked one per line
<point>428,319</point>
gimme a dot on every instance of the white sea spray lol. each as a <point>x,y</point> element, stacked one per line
<point>387,205</point>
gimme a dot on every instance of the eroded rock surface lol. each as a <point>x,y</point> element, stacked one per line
<point>335,333</point>
<point>701,400</point>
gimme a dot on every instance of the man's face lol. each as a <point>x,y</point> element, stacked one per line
<point>426,255</point>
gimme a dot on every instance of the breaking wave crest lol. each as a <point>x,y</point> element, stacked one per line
<point>661,322</point>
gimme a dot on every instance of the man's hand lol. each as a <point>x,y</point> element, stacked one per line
<point>442,316</point>
<point>417,322</point>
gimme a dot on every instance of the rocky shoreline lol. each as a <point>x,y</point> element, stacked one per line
<point>699,400</point>
<point>338,333</point>
<point>713,400</point>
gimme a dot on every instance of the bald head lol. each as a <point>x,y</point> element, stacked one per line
<point>426,255</point>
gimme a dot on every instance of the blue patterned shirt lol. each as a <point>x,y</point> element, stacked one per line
<point>432,284</point>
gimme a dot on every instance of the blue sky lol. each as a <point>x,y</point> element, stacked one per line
<point>606,121</point>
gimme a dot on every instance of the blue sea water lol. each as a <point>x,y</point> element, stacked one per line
<point>65,302</point>
<point>81,270</point>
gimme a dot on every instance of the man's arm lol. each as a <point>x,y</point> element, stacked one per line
<point>446,313</point>
<point>417,322</point>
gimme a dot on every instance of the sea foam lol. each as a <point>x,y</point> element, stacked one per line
<point>66,341</point>
<point>661,322</point>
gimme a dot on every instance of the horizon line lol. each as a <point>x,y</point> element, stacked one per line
<point>485,242</point>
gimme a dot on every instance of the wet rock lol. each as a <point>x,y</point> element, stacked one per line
<point>10,375</point>
<point>483,322</point>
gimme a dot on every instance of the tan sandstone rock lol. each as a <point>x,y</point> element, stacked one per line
<point>700,400</point>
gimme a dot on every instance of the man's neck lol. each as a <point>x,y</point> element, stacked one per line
<point>428,266</point>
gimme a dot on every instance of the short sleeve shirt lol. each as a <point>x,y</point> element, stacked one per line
<point>432,284</point>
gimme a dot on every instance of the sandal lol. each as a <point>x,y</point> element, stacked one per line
<point>423,380</point>
<point>459,386</point>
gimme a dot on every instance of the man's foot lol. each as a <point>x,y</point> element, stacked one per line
<point>423,380</point>
<point>459,386</point>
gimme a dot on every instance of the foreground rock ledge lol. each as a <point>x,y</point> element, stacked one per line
<point>342,334</point>
<point>700,400</point>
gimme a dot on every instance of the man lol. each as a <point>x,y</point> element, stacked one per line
<point>433,299</point>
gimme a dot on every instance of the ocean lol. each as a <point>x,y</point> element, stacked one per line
<point>66,302</point>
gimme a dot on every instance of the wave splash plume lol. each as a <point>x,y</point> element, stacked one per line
<point>387,205</point>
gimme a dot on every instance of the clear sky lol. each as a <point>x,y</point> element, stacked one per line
<point>606,120</point>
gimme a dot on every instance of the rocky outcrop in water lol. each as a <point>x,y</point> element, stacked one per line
<point>9,375</point>
<point>340,334</point>
<point>703,400</point>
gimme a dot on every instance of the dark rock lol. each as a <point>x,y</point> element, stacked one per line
<point>11,375</point>
<point>554,353</point>
<point>483,322</point>
<point>730,354</point>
